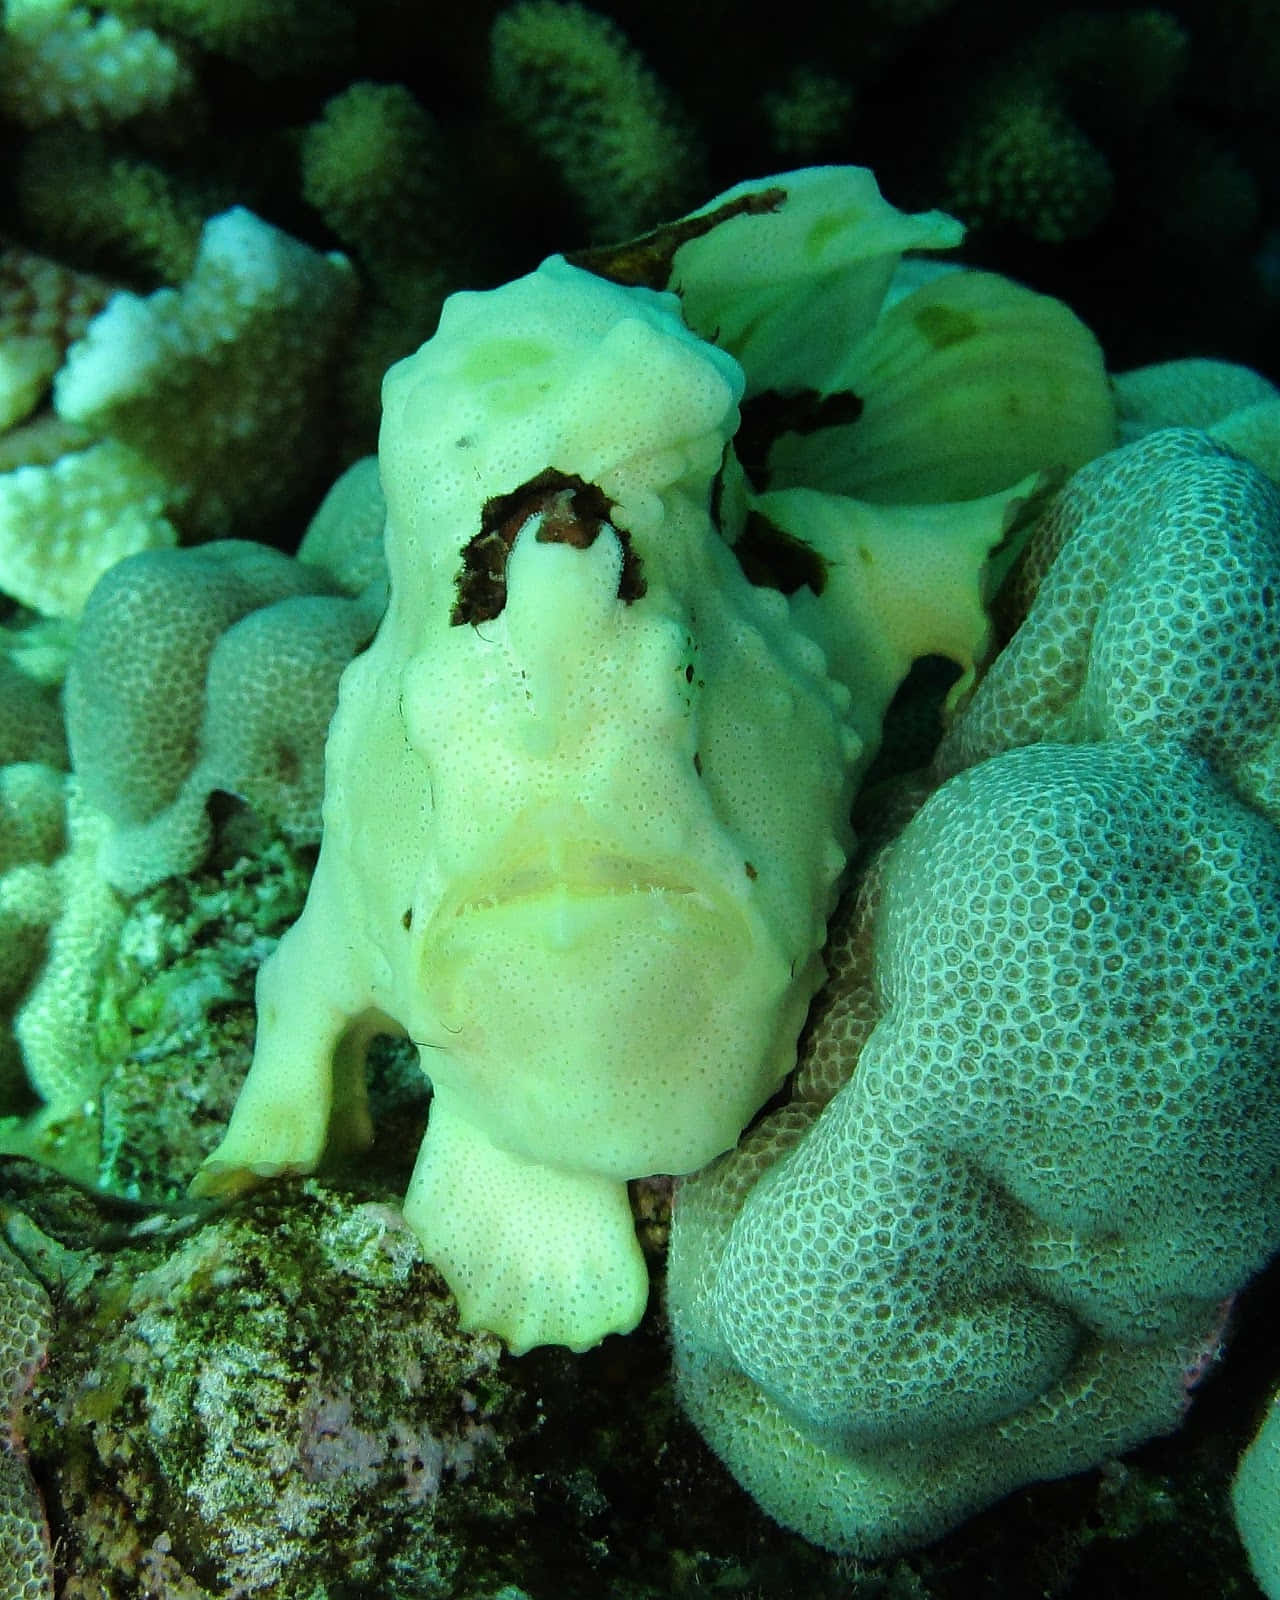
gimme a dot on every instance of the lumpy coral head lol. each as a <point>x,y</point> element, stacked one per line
<point>585,809</point>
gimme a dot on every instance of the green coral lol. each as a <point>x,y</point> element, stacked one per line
<point>1024,163</point>
<point>62,60</point>
<point>372,168</point>
<point>376,168</point>
<point>77,194</point>
<point>271,36</point>
<point>808,113</point>
<point>203,670</point>
<point>44,307</point>
<point>62,526</point>
<point>575,88</point>
<point>1042,134</point>
<point>26,1321</point>
<point>215,384</point>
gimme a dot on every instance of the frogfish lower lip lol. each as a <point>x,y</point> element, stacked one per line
<point>557,875</point>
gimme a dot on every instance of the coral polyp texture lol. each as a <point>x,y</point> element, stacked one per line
<point>1032,1152</point>
<point>211,668</point>
<point>569,79</point>
<point>64,60</point>
<point>187,412</point>
<point>26,1322</point>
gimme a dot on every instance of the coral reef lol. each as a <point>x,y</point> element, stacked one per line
<point>1255,1494</point>
<point>237,354</point>
<point>291,1373</point>
<point>570,82</point>
<point>280,1400</point>
<point>62,60</point>
<point>1116,157</point>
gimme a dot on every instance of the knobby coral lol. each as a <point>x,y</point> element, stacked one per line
<point>1032,1152</point>
<point>26,1321</point>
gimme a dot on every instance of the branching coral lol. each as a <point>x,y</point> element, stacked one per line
<point>44,307</point>
<point>237,354</point>
<point>62,526</point>
<point>1024,163</point>
<point>113,209</point>
<point>137,200</point>
<point>1032,154</point>
<point>574,87</point>
<point>271,36</point>
<point>59,59</point>
<point>195,410</point>
<point>376,168</point>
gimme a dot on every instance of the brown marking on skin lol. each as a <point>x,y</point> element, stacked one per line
<point>572,512</point>
<point>772,558</point>
<point>771,413</point>
<point>646,261</point>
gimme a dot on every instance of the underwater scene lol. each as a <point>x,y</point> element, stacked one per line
<point>639,800</point>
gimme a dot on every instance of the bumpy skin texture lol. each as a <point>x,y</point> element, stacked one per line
<point>1035,1136</point>
<point>587,794</point>
<point>494,876</point>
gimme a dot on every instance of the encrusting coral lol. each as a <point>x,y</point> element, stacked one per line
<point>264,1402</point>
